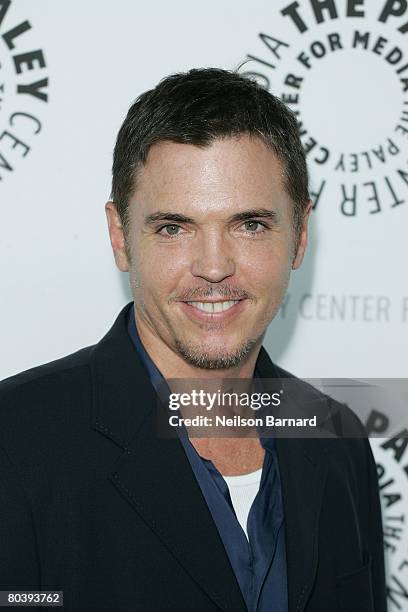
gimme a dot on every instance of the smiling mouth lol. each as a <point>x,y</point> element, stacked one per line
<point>214,307</point>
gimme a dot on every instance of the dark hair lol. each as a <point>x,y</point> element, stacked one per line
<point>197,107</point>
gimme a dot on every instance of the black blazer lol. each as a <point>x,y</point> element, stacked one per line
<point>94,503</point>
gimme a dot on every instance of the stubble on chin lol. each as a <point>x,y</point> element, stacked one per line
<point>200,358</point>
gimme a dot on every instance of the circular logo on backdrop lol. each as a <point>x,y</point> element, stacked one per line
<point>23,89</point>
<point>391,457</point>
<point>342,67</point>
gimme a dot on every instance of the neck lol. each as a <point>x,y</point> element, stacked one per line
<point>231,456</point>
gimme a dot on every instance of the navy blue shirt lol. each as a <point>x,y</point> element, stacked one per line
<point>259,562</point>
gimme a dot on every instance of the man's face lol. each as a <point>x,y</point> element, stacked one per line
<point>211,246</point>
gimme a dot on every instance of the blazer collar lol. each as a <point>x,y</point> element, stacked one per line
<point>125,411</point>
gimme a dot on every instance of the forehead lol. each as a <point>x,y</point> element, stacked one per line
<point>239,172</point>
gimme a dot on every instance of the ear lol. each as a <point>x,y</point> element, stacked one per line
<point>117,236</point>
<point>302,240</point>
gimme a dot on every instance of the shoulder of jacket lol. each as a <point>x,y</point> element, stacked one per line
<point>46,375</point>
<point>340,413</point>
<point>37,403</point>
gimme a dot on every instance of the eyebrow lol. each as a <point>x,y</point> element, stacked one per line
<point>262,213</point>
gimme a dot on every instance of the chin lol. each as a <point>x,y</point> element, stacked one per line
<point>212,358</point>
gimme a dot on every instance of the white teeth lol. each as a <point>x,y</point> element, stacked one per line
<point>213,306</point>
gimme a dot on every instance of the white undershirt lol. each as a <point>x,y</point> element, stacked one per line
<point>243,490</point>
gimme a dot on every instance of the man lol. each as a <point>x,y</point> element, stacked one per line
<point>208,214</point>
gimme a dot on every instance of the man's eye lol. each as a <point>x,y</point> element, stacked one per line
<point>255,227</point>
<point>169,230</point>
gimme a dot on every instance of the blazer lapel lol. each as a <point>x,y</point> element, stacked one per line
<point>303,465</point>
<point>153,473</point>
<point>303,475</point>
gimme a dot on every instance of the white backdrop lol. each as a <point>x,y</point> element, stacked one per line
<point>74,69</point>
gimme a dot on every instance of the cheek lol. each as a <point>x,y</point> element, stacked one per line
<point>267,269</point>
<point>159,271</point>
<point>270,287</point>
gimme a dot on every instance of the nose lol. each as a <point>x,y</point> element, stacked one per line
<point>213,258</point>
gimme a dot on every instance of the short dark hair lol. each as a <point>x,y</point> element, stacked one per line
<point>198,106</point>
